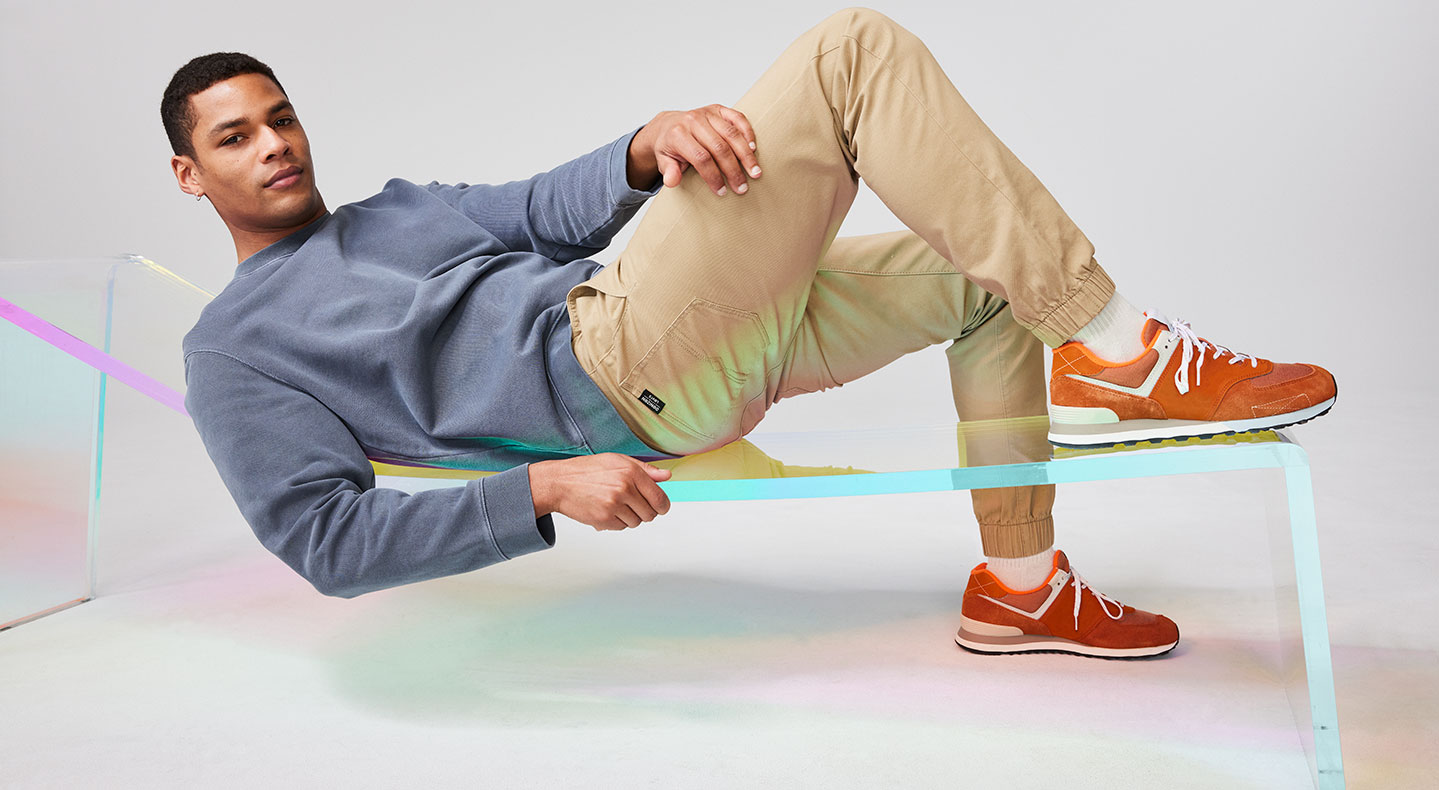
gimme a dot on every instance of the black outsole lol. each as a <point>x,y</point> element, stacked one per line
<point>1137,442</point>
<point>1066,652</point>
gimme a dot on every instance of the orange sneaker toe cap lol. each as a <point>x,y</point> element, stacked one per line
<point>1137,628</point>
<point>1286,388</point>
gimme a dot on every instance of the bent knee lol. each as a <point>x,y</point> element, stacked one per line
<point>857,18</point>
<point>873,30</point>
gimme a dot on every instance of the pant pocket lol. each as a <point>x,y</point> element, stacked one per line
<point>595,317</point>
<point>705,374</point>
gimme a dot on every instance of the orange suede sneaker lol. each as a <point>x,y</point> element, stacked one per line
<point>1063,615</point>
<point>1182,386</point>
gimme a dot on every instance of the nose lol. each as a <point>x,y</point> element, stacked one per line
<point>272,144</point>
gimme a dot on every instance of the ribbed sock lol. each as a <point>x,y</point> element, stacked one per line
<point>1114,334</point>
<point>1022,573</point>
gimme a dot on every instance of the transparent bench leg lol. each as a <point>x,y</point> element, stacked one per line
<point>50,409</point>
<point>1306,664</point>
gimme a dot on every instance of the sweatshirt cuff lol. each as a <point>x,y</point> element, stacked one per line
<point>621,193</point>
<point>510,512</point>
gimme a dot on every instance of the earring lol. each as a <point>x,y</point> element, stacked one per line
<point>197,197</point>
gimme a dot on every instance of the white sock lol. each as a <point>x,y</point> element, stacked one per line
<point>1114,333</point>
<point>1022,574</point>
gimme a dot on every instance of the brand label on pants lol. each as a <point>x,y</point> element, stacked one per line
<point>648,398</point>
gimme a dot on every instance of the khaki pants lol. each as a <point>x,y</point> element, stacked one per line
<point>721,306</point>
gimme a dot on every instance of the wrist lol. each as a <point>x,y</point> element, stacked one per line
<point>540,488</point>
<point>641,167</point>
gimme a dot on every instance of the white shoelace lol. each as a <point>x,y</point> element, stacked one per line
<point>1194,349</point>
<point>1079,585</point>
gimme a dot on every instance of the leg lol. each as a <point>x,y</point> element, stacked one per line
<point>878,297</point>
<point>997,372</point>
<point>702,307</point>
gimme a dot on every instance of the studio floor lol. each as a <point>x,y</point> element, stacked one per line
<point>789,643</point>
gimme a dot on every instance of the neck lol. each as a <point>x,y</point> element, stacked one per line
<point>248,242</point>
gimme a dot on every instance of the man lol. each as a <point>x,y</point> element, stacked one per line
<point>463,325</point>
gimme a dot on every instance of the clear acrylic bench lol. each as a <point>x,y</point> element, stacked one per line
<point>72,329</point>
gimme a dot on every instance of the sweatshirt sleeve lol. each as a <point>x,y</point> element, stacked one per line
<point>306,488</point>
<point>567,213</point>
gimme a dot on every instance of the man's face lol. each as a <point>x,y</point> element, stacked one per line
<point>252,158</point>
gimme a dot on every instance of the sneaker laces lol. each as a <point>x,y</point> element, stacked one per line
<point>1194,348</point>
<point>1079,586</point>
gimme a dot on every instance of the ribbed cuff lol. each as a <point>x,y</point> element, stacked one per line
<point>510,512</point>
<point>1077,309</point>
<point>1017,540</point>
<point>621,193</point>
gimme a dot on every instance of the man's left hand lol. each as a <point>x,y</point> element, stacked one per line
<point>717,141</point>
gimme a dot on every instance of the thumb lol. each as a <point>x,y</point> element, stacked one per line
<point>657,473</point>
<point>672,171</point>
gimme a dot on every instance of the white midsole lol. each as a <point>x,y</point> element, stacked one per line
<point>1057,643</point>
<point>1082,415</point>
<point>1137,430</point>
<point>980,628</point>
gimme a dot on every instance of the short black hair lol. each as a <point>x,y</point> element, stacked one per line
<point>194,77</point>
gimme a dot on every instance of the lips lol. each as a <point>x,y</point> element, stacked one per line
<point>284,177</point>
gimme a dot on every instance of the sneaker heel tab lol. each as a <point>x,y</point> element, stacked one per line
<point>1149,335</point>
<point>1066,348</point>
<point>1082,351</point>
<point>1010,590</point>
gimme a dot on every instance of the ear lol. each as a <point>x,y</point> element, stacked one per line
<point>187,175</point>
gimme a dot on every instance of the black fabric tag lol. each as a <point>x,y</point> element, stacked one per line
<point>648,398</point>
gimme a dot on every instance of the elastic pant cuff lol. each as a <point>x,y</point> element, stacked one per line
<point>1077,309</point>
<point>1017,540</point>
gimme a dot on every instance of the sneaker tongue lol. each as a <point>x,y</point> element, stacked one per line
<point>1151,328</point>
<point>1060,561</point>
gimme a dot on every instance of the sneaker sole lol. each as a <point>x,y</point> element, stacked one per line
<point>1014,645</point>
<point>1136,431</point>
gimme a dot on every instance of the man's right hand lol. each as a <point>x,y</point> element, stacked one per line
<point>606,490</point>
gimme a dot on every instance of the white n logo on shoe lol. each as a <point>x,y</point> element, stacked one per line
<point>1165,346</point>
<point>1056,585</point>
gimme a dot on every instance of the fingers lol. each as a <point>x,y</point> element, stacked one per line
<point>646,499</point>
<point>638,501</point>
<point>655,499</point>
<point>712,159</point>
<point>719,148</point>
<point>639,504</point>
<point>627,518</point>
<point>729,141</point>
<point>741,136</point>
<point>621,514</point>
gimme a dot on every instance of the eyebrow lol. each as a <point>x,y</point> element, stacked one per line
<point>283,104</point>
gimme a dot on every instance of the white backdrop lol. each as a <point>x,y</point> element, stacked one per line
<point>1262,170</point>
<point>1265,171</point>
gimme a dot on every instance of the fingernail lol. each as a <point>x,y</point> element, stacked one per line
<point>754,171</point>
<point>742,188</point>
<point>751,146</point>
<point>721,191</point>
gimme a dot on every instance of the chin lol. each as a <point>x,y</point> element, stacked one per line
<point>298,210</point>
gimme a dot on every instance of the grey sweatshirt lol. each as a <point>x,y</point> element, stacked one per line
<point>425,324</point>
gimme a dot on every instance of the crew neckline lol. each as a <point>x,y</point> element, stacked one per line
<point>281,248</point>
